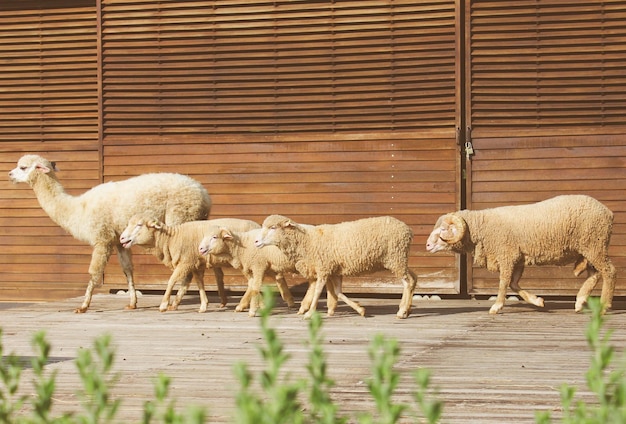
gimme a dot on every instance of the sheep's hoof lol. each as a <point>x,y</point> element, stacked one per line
<point>539,302</point>
<point>251,313</point>
<point>399,315</point>
<point>130,307</point>
<point>495,309</point>
<point>172,307</point>
<point>361,312</point>
<point>308,315</point>
<point>202,309</point>
<point>330,312</point>
<point>223,305</point>
<point>80,310</point>
<point>580,303</point>
<point>163,308</point>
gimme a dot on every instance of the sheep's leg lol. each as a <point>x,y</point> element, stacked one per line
<point>319,286</point>
<point>305,304</point>
<point>338,282</point>
<point>283,288</point>
<point>409,281</point>
<point>177,274</point>
<point>331,298</point>
<point>524,294</point>
<point>244,303</point>
<point>125,258</point>
<point>254,285</point>
<point>184,286</point>
<point>99,258</point>
<point>586,289</point>
<point>608,284</point>
<point>331,295</point>
<point>198,277</point>
<point>219,281</point>
<point>607,272</point>
<point>505,280</point>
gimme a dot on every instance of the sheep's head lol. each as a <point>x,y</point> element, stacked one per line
<point>272,230</point>
<point>214,241</point>
<point>140,231</point>
<point>448,232</point>
<point>29,166</point>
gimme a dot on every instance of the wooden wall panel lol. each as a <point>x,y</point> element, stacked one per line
<point>520,171</point>
<point>49,106</point>
<point>40,261</point>
<point>322,111</point>
<point>546,83</point>
<point>314,180</point>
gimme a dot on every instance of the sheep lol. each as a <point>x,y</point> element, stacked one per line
<point>99,215</point>
<point>239,250</point>
<point>330,251</point>
<point>176,246</point>
<point>558,231</point>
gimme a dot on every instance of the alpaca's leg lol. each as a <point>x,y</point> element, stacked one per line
<point>99,258</point>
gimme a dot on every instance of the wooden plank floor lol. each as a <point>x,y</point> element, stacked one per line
<point>488,369</point>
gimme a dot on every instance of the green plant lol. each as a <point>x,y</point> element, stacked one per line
<point>384,354</point>
<point>609,386</point>
<point>164,410</point>
<point>322,409</point>
<point>279,404</point>
<point>10,374</point>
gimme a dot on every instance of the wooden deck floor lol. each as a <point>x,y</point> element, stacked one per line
<point>488,369</point>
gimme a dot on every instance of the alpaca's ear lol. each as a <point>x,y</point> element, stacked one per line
<point>42,168</point>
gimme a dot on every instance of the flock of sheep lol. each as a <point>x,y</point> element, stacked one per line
<point>167,214</point>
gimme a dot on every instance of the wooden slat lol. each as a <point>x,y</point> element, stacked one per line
<point>537,169</point>
<point>547,66</point>
<point>313,181</point>
<point>263,67</point>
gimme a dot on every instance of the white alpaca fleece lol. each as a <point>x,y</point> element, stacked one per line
<point>99,215</point>
<point>558,231</point>
<point>176,246</point>
<point>238,248</point>
<point>346,249</point>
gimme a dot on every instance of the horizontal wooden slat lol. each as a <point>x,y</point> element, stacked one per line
<point>262,67</point>
<point>526,170</point>
<point>314,181</point>
<point>545,66</point>
<point>49,86</point>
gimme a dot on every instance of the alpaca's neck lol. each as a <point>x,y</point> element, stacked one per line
<point>60,206</point>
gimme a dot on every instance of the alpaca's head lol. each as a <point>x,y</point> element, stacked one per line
<point>29,167</point>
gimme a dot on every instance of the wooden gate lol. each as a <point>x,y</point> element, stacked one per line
<point>546,84</point>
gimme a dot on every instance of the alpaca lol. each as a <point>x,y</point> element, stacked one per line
<point>99,215</point>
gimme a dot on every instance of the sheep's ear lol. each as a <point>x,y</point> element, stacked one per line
<point>54,166</point>
<point>154,223</point>
<point>453,228</point>
<point>225,233</point>
<point>288,223</point>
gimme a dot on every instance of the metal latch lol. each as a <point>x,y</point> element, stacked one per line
<point>469,149</point>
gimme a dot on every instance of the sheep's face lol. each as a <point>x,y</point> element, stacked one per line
<point>273,227</point>
<point>140,231</point>
<point>28,166</point>
<point>448,232</point>
<point>214,242</point>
